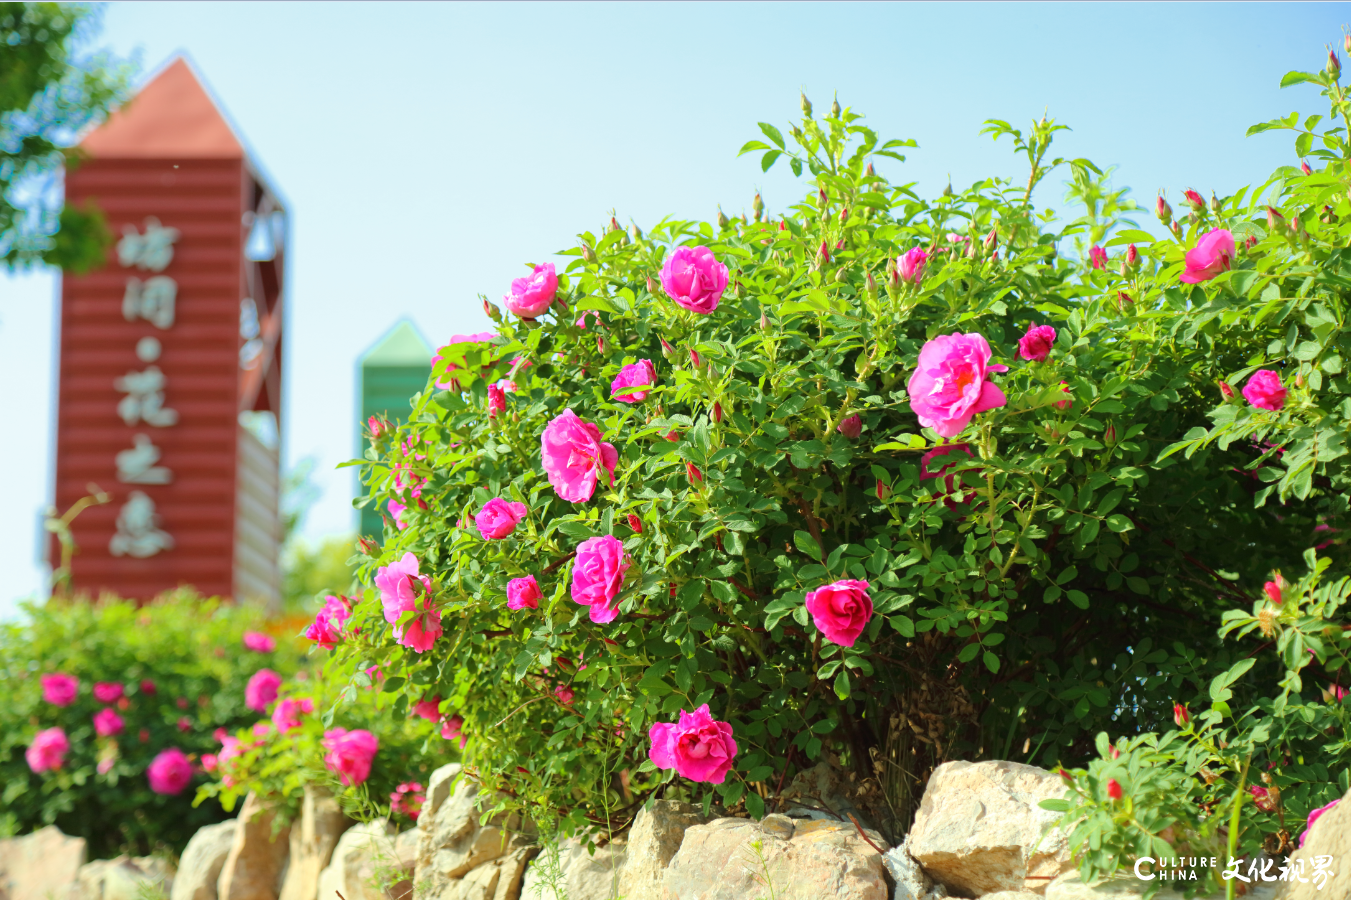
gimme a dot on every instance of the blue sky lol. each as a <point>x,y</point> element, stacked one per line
<point>428,150</point>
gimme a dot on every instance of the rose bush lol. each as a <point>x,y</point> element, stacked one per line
<point>110,711</point>
<point>1103,504</point>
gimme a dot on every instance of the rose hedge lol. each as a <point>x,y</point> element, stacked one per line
<point>885,479</point>
<point>111,707</point>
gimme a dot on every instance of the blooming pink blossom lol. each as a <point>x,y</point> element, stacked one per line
<point>951,384</point>
<point>1213,254</point>
<point>170,772</point>
<point>498,518</point>
<point>106,764</point>
<point>1273,591</point>
<point>523,593</point>
<point>1264,390</point>
<point>408,799</point>
<point>350,754</point>
<point>497,401</point>
<point>1036,345</point>
<point>184,723</point>
<point>108,691</point>
<point>452,729</point>
<point>841,610</point>
<point>60,689</point>
<point>108,723</point>
<point>327,628</point>
<point>694,279</point>
<point>1315,816</point>
<point>259,642</point>
<point>531,295</point>
<point>1097,257</point>
<point>910,267</point>
<point>696,746</point>
<point>210,762</point>
<point>564,694</point>
<point>148,688</point>
<point>397,595</point>
<point>261,690</point>
<point>428,708</point>
<point>288,712</point>
<point>851,427</point>
<point>634,381</point>
<point>574,457</point>
<point>598,576</point>
<point>48,750</point>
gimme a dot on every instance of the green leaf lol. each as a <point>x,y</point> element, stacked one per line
<point>1293,78</point>
<point>991,661</point>
<point>1078,598</point>
<point>807,544</point>
<point>1119,523</point>
<point>842,684</point>
<point>755,805</point>
<point>968,652</point>
<point>766,162</point>
<point>1055,805</point>
<point>904,624</point>
<point>772,133</point>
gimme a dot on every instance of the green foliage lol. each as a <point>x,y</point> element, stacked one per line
<point>189,647</point>
<point>1064,580</point>
<point>50,87</point>
<point>280,765</point>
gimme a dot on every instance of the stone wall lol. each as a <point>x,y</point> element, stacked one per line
<point>979,833</point>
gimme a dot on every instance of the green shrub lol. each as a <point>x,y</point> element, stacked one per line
<point>278,763</point>
<point>189,648</point>
<point>1054,569</point>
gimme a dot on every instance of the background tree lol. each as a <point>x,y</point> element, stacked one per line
<point>51,87</point>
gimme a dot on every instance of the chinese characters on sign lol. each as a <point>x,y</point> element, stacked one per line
<point>138,533</point>
<point>1257,870</point>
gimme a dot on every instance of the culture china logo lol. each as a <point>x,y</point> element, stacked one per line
<point>1263,869</point>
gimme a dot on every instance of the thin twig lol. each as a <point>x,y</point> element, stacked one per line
<point>879,850</point>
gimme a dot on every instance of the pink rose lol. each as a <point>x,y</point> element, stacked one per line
<point>564,694</point>
<point>350,754</point>
<point>694,279</point>
<point>483,337</point>
<point>696,746</point>
<point>1264,390</point>
<point>428,708</point>
<point>1213,254</point>
<point>108,691</point>
<point>531,295</point>
<point>497,401</point>
<point>148,688</point>
<point>1036,345</point>
<point>910,267</point>
<point>408,799</point>
<point>48,750</point>
<point>841,610</point>
<point>259,642</point>
<point>574,457</point>
<point>327,628</point>
<point>851,427</point>
<point>499,518</point>
<point>184,724</point>
<point>397,594</point>
<point>1097,257</point>
<point>950,482</point>
<point>261,690</point>
<point>951,384</point>
<point>60,689</point>
<point>523,593</point>
<point>288,712</point>
<point>641,375</point>
<point>210,762</point>
<point>452,729</point>
<point>108,723</point>
<point>170,772</point>
<point>1313,817</point>
<point>598,576</point>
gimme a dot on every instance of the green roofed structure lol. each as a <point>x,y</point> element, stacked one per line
<point>388,375</point>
